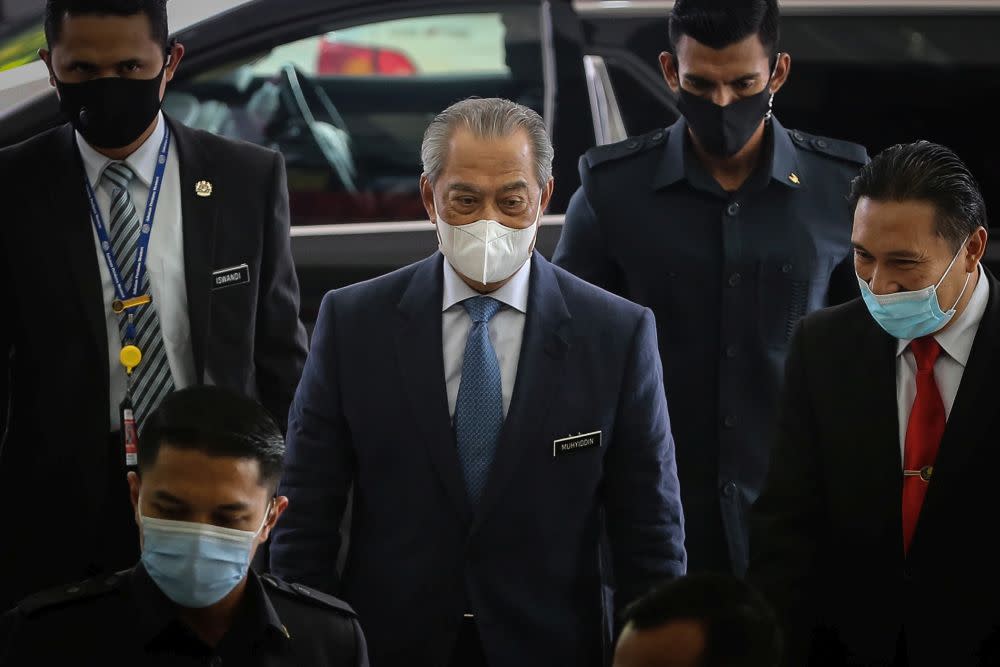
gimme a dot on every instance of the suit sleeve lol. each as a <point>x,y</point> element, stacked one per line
<point>582,249</point>
<point>788,517</point>
<point>319,468</point>
<point>280,344</point>
<point>361,644</point>
<point>642,495</point>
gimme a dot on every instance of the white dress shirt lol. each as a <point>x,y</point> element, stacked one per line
<point>506,329</point>
<point>956,345</point>
<point>165,259</point>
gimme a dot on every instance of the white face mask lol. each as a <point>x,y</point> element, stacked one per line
<point>486,251</point>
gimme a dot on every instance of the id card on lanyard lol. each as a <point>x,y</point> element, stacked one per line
<point>127,297</point>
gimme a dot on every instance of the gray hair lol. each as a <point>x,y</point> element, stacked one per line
<point>486,118</point>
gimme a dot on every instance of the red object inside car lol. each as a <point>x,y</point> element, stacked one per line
<point>354,60</point>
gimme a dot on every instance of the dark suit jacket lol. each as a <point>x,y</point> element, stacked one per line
<point>54,365</point>
<point>826,542</point>
<point>372,411</point>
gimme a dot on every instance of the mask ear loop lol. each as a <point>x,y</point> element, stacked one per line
<point>770,101</point>
<point>948,270</point>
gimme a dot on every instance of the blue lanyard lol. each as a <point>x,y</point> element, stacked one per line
<point>144,232</point>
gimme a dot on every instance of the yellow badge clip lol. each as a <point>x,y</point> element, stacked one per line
<point>118,306</point>
<point>130,356</point>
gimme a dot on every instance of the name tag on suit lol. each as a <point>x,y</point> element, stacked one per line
<point>230,277</point>
<point>576,443</point>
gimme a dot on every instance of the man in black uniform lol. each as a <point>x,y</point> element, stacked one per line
<point>730,228</point>
<point>204,498</point>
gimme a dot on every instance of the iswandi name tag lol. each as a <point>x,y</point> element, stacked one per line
<point>230,277</point>
<point>575,443</point>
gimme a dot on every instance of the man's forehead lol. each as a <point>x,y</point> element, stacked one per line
<point>748,54</point>
<point>106,35</point>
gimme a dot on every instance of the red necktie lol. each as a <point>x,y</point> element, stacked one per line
<point>923,435</point>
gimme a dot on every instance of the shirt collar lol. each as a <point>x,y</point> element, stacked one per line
<point>157,614</point>
<point>142,161</point>
<point>957,339</point>
<point>514,293</point>
<point>779,149</point>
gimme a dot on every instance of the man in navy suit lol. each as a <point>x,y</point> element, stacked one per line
<point>502,424</point>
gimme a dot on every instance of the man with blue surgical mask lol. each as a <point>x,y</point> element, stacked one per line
<point>502,425</point>
<point>204,498</point>
<point>870,536</point>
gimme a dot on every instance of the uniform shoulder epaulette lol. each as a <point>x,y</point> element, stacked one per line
<point>844,150</point>
<point>70,594</point>
<point>620,149</point>
<point>306,594</point>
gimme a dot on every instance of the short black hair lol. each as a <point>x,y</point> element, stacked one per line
<point>720,23</point>
<point>929,172</point>
<point>155,11</point>
<point>217,422</point>
<point>741,629</point>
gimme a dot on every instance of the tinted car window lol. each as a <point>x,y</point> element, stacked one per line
<point>348,108</point>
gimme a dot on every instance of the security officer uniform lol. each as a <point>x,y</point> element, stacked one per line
<point>126,619</point>
<point>728,275</point>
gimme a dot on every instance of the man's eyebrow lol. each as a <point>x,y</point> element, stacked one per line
<point>464,187</point>
<point>516,185</point>
<point>166,497</point>
<point>233,507</point>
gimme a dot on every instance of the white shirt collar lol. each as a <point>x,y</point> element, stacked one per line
<point>142,161</point>
<point>514,293</point>
<point>957,339</point>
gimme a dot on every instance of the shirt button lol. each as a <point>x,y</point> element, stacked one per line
<point>733,209</point>
<point>729,489</point>
<point>735,279</point>
<point>730,421</point>
<point>732,351</point>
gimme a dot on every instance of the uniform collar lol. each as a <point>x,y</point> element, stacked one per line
<point>957,339</point>
<point>142,161</point>
<point>157,614</point>
<point>513,294</point>
<point>784,159</point>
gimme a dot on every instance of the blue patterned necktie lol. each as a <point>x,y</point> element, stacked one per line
<point>153,379</point>
<point>479,408</point>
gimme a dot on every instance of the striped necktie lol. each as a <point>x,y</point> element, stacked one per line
<point>152,378</point>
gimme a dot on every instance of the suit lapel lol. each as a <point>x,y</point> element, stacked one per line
<point>544,350</point>
<point>969,420</point>
<point>198,214</point>
<point>421,362</point>
<point>876,480</point>
<point>69,206</point>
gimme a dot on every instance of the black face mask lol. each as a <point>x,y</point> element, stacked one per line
<point>111,112</point>
<point>723,131</point>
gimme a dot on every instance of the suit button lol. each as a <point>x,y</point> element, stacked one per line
<point>632,145</point>
<point>216,661</point>
<point>729,489</point>
<point>733,209</point>
<point>658,136</point>
<point>735,279</point>
<point>732,351</point>
<point>730,421</point>
<point>821,143</point>
<point>786,268</point>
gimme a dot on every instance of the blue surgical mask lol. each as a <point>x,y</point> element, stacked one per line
<point>196,564</point>
<point>909,315</point>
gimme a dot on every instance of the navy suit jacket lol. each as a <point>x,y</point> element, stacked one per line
<point>533,560</point>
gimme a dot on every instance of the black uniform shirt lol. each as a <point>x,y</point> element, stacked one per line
<point>728,275</point>
<point>126,619</point>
